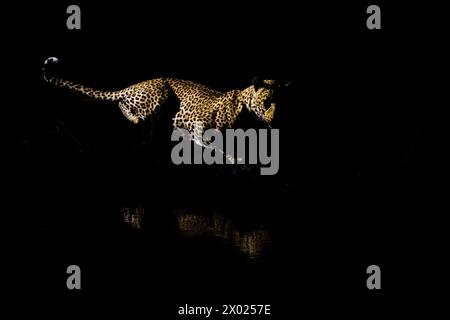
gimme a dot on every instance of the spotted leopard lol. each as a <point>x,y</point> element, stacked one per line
<point>200,108</point>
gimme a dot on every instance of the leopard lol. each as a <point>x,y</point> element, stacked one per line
<point>200,107</point>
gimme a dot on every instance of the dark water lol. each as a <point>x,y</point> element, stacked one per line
<point>129,244</point>
<point>254,242</point>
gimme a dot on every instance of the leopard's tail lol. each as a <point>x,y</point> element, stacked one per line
<point>78,88</point>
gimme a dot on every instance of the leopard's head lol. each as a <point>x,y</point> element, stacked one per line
<point>260,98</point>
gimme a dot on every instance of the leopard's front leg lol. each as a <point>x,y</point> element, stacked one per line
<point>203,139</point>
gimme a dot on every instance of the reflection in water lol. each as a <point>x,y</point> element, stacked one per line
<point>133,216</point>
<point>191,224</point>
<point>252,243</point>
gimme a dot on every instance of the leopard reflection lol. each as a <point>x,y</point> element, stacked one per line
<point>252,243</point>
<point>133,216</point>
<point>192,224</point>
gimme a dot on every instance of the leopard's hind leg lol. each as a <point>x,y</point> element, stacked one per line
<point>142,100</point>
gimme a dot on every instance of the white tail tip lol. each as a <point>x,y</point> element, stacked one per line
<point>51,60</point>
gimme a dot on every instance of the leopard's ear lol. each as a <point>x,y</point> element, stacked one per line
<point>256,83</point>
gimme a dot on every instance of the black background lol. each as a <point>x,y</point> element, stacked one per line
<point>352,190</point>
